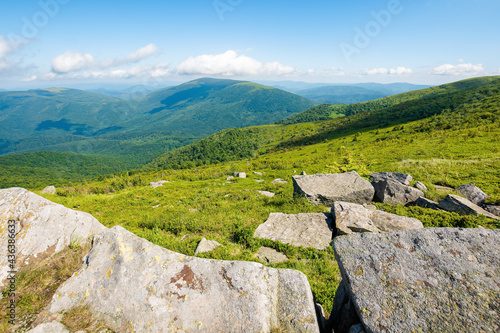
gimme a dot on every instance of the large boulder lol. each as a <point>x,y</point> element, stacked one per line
<point>43,228</point>
<point>495,210</point>
<point>133,285</point>
<point>325,189</point>
<point>402,178</point>
<point>472,193</point>
<point>395,193</point>
<point>349,218</point>
<point>462,206</point>
<point>427,203</point>
<point>49,190</point>
<point>305,229</point>
<point>428,280</point>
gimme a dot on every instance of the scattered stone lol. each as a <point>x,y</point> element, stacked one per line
<point>421,186</point>
<point>158,183</point>
<point>427,203</point>
<point>325,189</point>
<point>193,210</point>
<point>462,206</point>
<point>444,188</point>
<point>271,256</point>
<point>472,193</point>
<point>305,229</point>
<point>495,210</point>
<point>43,228</point>
<point>259,180</point>
<point>267,194</point>
<point>206,245</point>
<point>230,178</point>
<point>395,193</point>
<point>349,218</point>
<point>49,190</point>
<point>227,195</point>
<point>303,173</point>
<point>156,206</point>
<point>427,280</point>
<point>240,174</point>
<point>279,181</point>
<point>132,284</point>
<point>258,173</point>
<point>402,178</point>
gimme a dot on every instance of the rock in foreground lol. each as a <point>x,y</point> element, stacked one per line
<point>44,228</point>
<point>462,206</point>
<point>305,229</point>
<point>133,285</point>
<point>395,193</point>
<point>428,280</point>
<point>327,188</point>
<point>349,218</point>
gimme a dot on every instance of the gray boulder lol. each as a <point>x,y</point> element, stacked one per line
<point>395,193</point>
<point>427,203</point>
<point>158,183</point>
<point>349,218</point>
<point>462,206</point>
<point>240,174</point>
<point>133,285</point>
<point>472,193</point>
<point>43,228</point>
<point>267,194</point>
<point>305,229</point>
<point>325,189</point>
<point>279,181</point>
<point>421,186</point>
<point>402,178</point>
<point>271,256</point>
<point>258,173</point>
<point>495,210</point>
<point>49,190</point>
<point>428,280</point>
<point>206,245</point>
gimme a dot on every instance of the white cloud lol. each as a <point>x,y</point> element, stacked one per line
<point>376,71</point>
<point>230,63</point>
<point>136,56</point>
<point>70,62</point>
<point>460,69</point>
<point>7,47</point>
<point>388,71</point>
<point>400,71</point>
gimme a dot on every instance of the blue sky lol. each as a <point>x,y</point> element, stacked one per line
<point>65,42</point>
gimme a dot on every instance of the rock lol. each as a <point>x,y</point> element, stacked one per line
<point>305,229</point>
<point>259,180</point>
<point>206,246</point>
<point>495,210</point>
<point>271,256</point>
<point>133,285</point>
<point>395,193</point>
<point>230,178</point>
<point>51,327</point>
<point>462,206</point>
<point>358,328</point>
<point>427,203</point>
<point>240,174</point>
<point>427,280</point>
<point>349,218</point>
<point>44,228</point>
<point>279,181</point>
<point>440,188</point>
<point>402,178</point>
<point>258,173</point>
<point>343,315</point>
<point>472,193</point>
<point>421,186</point>
<point>158,183</point>
<point>49,190</point>
<point>303,173</point>
<point>156,206</point>
<point>325,189</point>
<point>267,194</point>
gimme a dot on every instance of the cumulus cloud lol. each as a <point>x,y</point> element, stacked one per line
<point>7,47</point>
<point>230,63</point>
<point>388,71</point>
<point>72,61</point>
<point>460,69</point>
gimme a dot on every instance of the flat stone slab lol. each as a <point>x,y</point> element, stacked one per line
<point>325,189</point>
<point>267,194</point>
<point>43,227</point>
<point>279,181</point>
<point>349,218</point>
<point>427,280</point>
<point>136,286</point>
<point>271,256</point>
<point>305,229</point>
<point>462,206</point>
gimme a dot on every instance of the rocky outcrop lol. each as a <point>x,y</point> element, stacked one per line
<point>49,190</point>
<point>133,285</point>
<point>158,183</point>
<point>43,228</point>
<point>472,193</point>
<point>305,229</point>
<point>395,193</point>
<point>206,245</point>
<point>462,206</point>
<point>402,178</point>
<point>271,256</point>
<point>325,189</point>
<point>428,280</point>
<point>349,218</point>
